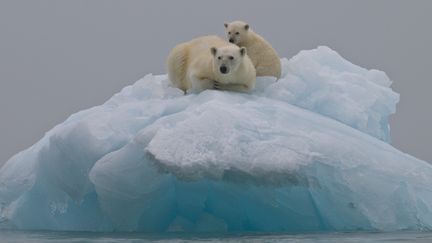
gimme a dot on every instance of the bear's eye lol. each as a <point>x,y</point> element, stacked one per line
<point>219,57</point>
<point>229,33</point>
<point>237,33</point>
<point>231,57</point>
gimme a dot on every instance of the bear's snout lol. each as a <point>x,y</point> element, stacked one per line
<point>231,40</point>
<point>223,69</point>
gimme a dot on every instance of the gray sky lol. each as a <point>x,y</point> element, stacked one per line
<point>59,57</point>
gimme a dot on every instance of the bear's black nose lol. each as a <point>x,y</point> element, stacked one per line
<point>231,40</point>
<point>223,69</point>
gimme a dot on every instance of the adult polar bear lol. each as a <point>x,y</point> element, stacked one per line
<point>262,54</point>
<point>210,62</point>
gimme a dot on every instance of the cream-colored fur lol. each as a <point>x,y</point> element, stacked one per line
<point>196,65</point>
<point>262,54</point>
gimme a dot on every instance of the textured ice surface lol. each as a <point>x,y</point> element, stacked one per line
<point>322,81</point>
<point>306,153</point>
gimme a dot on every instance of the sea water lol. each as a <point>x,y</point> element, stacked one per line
<point>53,237</point>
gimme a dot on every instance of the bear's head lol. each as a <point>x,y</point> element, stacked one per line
<point>227,59</point>
<point>236,31</point>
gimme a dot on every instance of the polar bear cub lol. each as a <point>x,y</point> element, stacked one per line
<point>210,62</point>
<point>262,54</point>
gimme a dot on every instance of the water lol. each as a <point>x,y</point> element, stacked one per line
<point>52,237</point>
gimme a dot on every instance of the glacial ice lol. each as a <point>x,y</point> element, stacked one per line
<point>308,152</point>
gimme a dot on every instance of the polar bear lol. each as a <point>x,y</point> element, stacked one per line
<point>210,62</point>
<point>262,54</point>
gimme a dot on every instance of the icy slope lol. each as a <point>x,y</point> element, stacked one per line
<point>305,153</point>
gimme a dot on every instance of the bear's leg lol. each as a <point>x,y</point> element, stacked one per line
<point>199,85</point>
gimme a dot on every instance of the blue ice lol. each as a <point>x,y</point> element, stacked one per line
<point>308,152</point>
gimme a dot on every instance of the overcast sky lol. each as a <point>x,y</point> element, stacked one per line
<point>59,57</point>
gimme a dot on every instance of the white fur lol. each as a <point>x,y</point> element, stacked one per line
<point>262,54</point>
<point>193,66</point>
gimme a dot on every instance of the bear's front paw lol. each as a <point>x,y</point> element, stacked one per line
<point>216,85</point>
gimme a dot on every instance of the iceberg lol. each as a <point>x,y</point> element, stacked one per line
<point>308,152</point>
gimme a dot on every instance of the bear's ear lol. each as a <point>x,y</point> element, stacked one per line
<point>213,51</point>
<point>243,51</point>
<point>226,25</point>
<point>246,27</point>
